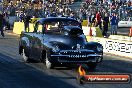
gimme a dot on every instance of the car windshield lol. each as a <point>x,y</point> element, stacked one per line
<point>57,26</point>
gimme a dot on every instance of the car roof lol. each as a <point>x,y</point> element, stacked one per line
<point>55,19</point>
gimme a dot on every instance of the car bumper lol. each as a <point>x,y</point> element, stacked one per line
<point>77,58</point>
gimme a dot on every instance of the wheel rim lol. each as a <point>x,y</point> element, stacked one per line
<point>24,56</point>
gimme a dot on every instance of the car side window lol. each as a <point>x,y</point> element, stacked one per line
<point>38,27</point>
<point>52,27</point>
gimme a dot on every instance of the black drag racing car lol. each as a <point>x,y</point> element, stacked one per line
<point>57,41</point>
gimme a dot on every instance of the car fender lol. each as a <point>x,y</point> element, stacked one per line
<point>92,45</point>
<point>25,42</point>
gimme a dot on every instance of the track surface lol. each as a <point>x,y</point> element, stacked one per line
<point>14,73</point>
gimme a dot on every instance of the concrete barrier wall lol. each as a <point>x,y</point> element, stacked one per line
<point>117,47</point>
<point>95,31</point>
<point>19,27</point>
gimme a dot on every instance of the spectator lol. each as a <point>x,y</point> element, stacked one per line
<point>6,24</point>
<point>93,19</point>
<point>21,16</point>
<point>89,19</point>
<point>26,22</point>
<point>117,20</point>
<point>80,14</point>
<point>113,21</point>
<point>84,16</point>
<point>105,25</point>
<point>98,20</point>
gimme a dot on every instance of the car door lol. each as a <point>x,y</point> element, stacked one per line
<point>32,43</point>
<point>28,37</point>
<point>37,42</point>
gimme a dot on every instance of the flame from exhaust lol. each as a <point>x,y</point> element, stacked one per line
<point>81,71</point>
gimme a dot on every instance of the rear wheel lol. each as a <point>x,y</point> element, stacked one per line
<point>25,57</point>
<point>92,66</point>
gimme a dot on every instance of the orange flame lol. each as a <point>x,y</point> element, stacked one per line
<point>81,71</point>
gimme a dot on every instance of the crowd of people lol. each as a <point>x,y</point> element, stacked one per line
<point>105,21</point>
<point>98,12</point>
<point>104,14</point>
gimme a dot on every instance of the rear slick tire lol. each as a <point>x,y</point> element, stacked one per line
<point>25,58</point>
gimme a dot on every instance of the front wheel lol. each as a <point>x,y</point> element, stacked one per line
<point>92,66</point>
<point>48,63</point>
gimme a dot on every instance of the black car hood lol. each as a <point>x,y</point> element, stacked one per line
<point>65,41</point>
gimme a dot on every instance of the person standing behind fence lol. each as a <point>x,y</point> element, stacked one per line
<point>113,21</point>
<point>93,19</point>
<point>98,20</point>
<point>27,19</point>
<point>105,24</point>
<point>117,21</point>
<point>2,25</point>
<point>89,19</point>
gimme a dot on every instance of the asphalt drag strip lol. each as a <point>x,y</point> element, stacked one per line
<point>15,74</point>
